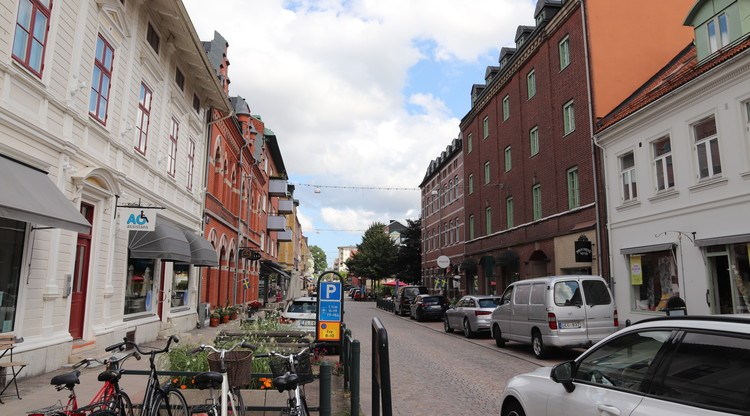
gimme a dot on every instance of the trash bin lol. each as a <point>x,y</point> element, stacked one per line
<point>675,306</point>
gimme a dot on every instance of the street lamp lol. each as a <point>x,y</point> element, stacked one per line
<point>442,261</point>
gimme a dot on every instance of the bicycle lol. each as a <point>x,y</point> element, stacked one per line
<point>230,399</point>
<point>157,401</point>
<point>109,397</point>
<point>290,373</point>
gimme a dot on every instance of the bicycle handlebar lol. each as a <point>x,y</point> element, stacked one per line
<point>285,356</point>
<point>241,344</point>
<point>107,361</point>
<point>121,345</point>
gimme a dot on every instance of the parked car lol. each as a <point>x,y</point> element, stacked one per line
<point>428,307</point>
<point>555,311</point>
<point>404,297</point>
<point>679,365</point>
<point>301,313</point>
<point>472,314</point>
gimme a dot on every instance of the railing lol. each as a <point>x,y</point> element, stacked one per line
<point>381,370</point>
<point>385,304</point>
<point>349,358</point>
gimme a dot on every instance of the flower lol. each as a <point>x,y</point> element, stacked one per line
<point>266,383</point>
<point>255,304</point>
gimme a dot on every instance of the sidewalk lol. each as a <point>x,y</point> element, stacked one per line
<point>36,392</point>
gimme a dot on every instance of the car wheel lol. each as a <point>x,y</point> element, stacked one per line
<point>537,345</point>
<point>446,325</point>
<point>468,333</point>
<point>418,316</point>
<point>513,408</point>
<point>498,335</point>
<point>411,315</point>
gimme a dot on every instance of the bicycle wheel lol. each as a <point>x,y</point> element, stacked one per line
<point>239,403</point>
<point>169,403</point>
<point>126,406</point>
<point>103,412</point>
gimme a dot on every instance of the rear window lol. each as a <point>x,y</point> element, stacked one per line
<point>431,299</point>
<point>302,307</point>
<point>568,293</point>
<point>596,293</point>
<point>489,303</point>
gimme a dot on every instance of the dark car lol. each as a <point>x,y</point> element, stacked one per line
<point>405,296</point>
<point>428,307</point>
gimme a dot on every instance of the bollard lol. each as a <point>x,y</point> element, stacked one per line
<point>325,388</point>
<point>354,380</point>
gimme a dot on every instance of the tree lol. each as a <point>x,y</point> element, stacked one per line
<point>409,262</point>
<point>376,255</point>
<point>319,257</point>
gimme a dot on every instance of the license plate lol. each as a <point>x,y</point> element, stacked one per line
<point>570,324</point>
<point>307,322</point>
<point>434,307</point>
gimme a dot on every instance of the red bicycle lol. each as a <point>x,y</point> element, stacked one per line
<point>110,399</point>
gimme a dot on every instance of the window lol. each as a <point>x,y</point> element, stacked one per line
<point>196,103</point>
<point>180,282</point>
<point>486,172</point>
<point>506,107</point>
<point>469,143</point>
<point>139,286</point>
<point>172,156</point>
<point>486,127</point>
<point>488,219</point>
<point>152,38</point>
<point>663,163</point>
<point>101,80</point>
<point>471,227</point>
<point>569,120</point>
<point>564,49</point>
<point>455,230</point>
<point>471,183</point>
<point>509,212</point>
<point>450,190</point>
<point>717,40</point>
<point>574,200</point>
<point>534,140</point>
<point>707,148</point>
<point>13,235</point>
<point>508,159</point>
<point>179,79</point>
<point>627,174</point>
<point>30,39</point>
<point>191,163</point>
<point>536,198</point>
<point>455,187</point>
<point>531,84</point>
<point>142,119</point>
<point>653,276</point>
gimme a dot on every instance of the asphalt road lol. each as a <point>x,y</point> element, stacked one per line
<point>435,373</point>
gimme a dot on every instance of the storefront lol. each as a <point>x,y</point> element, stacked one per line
<point>728,272</point>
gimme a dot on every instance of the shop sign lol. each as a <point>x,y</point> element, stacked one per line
<point>137,219</point>
<point>636,272</point>
<point>583,251</point>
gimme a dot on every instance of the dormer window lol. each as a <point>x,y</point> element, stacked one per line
<point>540,18</point>
<point>718,32</point>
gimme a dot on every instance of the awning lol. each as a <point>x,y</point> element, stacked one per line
<point>716,241</point>
<point>166,242</point>
<point>268,267</point>
<point>507,258</point>
<point>29,195</point>
<point>647,249</point>
<point>202,253</point>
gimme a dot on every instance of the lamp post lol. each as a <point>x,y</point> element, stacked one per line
<point>442,261</point>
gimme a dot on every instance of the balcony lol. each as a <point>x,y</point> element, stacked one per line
<point>283,236</point>
<point>277,187</point>
<point>286,206</point>
<point>276,223</point>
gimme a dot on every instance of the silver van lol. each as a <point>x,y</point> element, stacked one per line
<point>555,311</point>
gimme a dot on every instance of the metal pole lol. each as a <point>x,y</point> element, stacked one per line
<point>354,380</point>
<point>325,388</point>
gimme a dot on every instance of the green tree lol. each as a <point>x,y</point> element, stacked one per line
<point>376,254</point>
<point>319,257</point>
<point>409,262</point>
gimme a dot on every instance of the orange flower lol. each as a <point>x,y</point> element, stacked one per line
<point>183,387</point>
<point>175,380</point>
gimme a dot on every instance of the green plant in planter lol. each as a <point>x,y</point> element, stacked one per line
<point>180,359</point>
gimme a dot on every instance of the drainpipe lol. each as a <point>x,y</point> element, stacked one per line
<point>239,221</point>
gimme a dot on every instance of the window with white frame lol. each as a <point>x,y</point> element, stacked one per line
<point>564,50</point>
<point>569,119</point>
<point>574,198</point>
<point>718,32</point>
<point>486,172</point>
<point>627,177</point>
<point>450,190</point>
<point>469,143</point>
<point>143,117</point>
<point>509,211</point>
<point>471,227</point>
<point>471,183</point>
<point>30,38</point>
<point>664,173</point>
<point>455,230</point>
<point>486,127</point>
<point>506,107</point>
<point>536,199</point>
<point>455,187</point>
<point>531,84</point>
<point>707,148</point>
<point>190,163</point>
<point>172,156</point>
<point>101,80</point>
<point>508,159</point>
<point>534,140</point>
<point>488,220</point>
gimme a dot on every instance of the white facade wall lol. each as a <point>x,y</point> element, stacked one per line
<point>694,210</point>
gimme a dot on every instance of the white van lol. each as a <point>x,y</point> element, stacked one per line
<point>555,311</point>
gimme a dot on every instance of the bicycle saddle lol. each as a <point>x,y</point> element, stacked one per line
<point>208,380</point>
<point>67,379</point>
<point>109,375</point>
<point>286,382</point>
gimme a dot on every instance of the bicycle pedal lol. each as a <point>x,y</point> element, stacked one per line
<point>202,409</point>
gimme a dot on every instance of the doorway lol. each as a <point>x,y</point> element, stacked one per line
<point>722,284</point>
<point>79,284</point>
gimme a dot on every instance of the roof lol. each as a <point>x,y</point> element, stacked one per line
<point>683,69</point>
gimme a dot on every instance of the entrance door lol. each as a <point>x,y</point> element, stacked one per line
<point>722,284</point>
<point>80,277</point>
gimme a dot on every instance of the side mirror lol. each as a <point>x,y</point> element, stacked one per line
<point>563,374</point>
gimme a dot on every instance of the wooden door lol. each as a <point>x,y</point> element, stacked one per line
<point>80,277</point>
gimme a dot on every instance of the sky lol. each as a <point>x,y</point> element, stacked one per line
<point>361,94</point>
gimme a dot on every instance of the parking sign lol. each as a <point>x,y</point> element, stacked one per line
<point>329,311</point>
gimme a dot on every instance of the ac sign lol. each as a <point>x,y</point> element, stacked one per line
<point>137,219</point>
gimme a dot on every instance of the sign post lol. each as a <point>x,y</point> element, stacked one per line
<point>330,309</point>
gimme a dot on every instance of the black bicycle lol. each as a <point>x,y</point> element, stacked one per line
<point>290,373</point>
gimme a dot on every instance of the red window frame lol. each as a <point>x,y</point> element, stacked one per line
<point>38,9</point>
<point>172,157</point>
<point>191,163</point>
<point>103,63</point>
<point>142,119</point>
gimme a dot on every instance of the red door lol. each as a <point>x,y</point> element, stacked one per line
<point>80,277</point>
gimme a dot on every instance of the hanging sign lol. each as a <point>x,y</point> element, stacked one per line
<point>636,272</point>
<point>137,218</point>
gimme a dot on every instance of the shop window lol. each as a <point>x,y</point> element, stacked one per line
<point>180,285</point>
<point>139,287</point>
<point>12,237</point>
<point>653,278</point>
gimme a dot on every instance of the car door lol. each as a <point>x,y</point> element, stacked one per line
<point>519,324</point>
<point>501,314</point>
<point>599,309</point>
<point>457,313</point>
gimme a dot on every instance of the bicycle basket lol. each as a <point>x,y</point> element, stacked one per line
<point>239,366</point>
<point>280,366</point>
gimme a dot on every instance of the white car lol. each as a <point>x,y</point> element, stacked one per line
<point>301,313</point>
<point>688,365</point>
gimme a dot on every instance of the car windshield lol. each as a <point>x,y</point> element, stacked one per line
<point>489,303</point>
<point>302,307</point>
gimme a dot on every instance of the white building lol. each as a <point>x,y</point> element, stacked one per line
<point>109,98</point>
<point>677,162</point>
